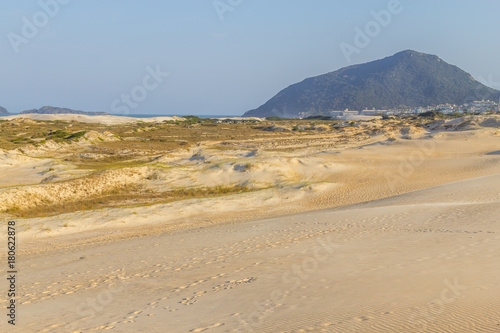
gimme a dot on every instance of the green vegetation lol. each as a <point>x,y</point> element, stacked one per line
<point>18,132</point>
<point>76,136</point>
<point>432,114</point>
<point>318,118</point>
<point>407,79</point>
<point>58,134</point>
<point>193,119</point>
<point>22,140</point>
<point>61,136</point>
<point>160,146</point>
<point>273,118</point>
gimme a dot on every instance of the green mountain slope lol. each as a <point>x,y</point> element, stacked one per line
<point>406,79</point>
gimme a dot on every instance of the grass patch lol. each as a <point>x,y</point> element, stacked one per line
<point>76,136</point>
<point>124,197</point>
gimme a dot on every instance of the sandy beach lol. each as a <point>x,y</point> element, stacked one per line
<point>109,119</point>
<point>395,231</point>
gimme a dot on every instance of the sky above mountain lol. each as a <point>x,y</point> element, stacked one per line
<point>222,56</point>
<point>407,79</point>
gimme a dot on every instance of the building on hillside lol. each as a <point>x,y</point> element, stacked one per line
<point>372,112</point>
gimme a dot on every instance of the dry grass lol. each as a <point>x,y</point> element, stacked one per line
<point>18,133</point>
<point>124,197</point>
<point>140,143</point>
<point>139,136</point>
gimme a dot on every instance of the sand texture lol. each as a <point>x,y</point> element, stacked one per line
<point>108,120</point>
<point>395,232</point>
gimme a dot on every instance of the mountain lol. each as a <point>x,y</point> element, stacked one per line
<point>3,110</point>
<point>56,110</point>
<point>406,79</point>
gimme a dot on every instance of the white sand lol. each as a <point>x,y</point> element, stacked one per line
<point>426,261</point>
<point>107,120</point>
<point>413,246</point>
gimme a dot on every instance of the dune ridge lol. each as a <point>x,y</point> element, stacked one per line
<point>364,228</point>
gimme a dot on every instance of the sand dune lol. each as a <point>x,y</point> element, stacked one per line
<point>108,120</point>
<point>284,182</point>
<point>420,262</point>
<point>407,239</point>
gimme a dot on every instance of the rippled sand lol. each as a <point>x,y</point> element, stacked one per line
<point>410,243</point>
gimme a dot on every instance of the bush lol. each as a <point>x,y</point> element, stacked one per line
<point>273,118</point>
<point>59,134</point>
<point>431,114</point>
<point>318,118</point>
<point>76,136</point>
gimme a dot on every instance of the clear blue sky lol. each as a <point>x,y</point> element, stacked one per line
<point>88,54</point>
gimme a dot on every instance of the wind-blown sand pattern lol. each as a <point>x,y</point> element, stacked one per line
<point>407,240</point>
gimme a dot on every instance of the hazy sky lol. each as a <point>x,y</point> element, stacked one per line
<point>224,56</point>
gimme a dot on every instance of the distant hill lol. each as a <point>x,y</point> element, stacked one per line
<point>406,79</point>
<point>3,110</point>
<point>56,110</point>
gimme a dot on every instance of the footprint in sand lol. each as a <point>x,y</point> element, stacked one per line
<point>202,329</point>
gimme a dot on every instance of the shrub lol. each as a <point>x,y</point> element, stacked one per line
<point>76,136</point>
